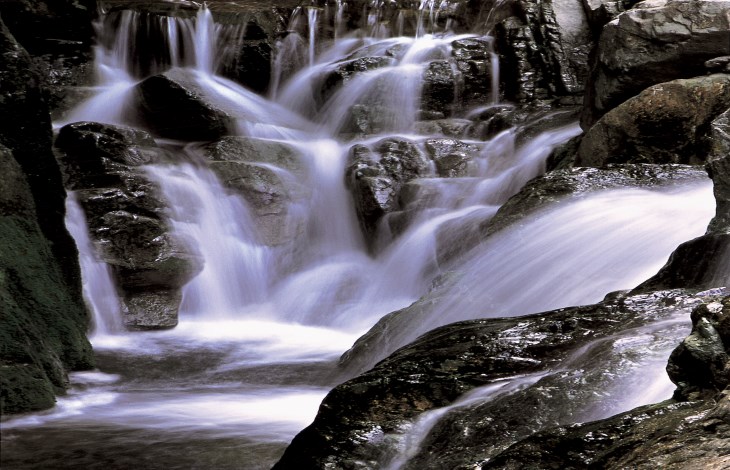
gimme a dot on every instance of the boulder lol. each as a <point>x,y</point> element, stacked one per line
<point>439,91</point>
<point>473,59</point>
<point>700,365</point>
<point>375,176</point>
<point>125,214</point>
<point>652,43</point>
<point>718,167</point>
<point>363,422</point>
<point>452,157</point>
<point>666,123</point>
<point>346,70</point>
<point>174,105</point>
<point>44,319</point>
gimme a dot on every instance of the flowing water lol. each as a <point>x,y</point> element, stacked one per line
<point>262,326</point>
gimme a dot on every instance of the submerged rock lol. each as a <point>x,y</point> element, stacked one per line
<point>270,176</point>
<point>363,422</point>
<point>125,214</point>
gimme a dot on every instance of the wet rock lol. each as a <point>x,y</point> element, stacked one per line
<point>173,105</point>
<point>346,71</point>
<point>270,176</point>
<point>718,167</point>
<point>473,61</point>
<point>669,435</point>
<point>361,423</point>
<point>700,365</point>
<point>125,214</point>
<point>652,43</point>
<point>600,12</point>
<point>452,157</point>
<point>151,310</point>
<point>44,320</point>
<point>439,88</point>
<point>448,127</point>
<point>544,50</point>
<point>667,123</point>
<point>376,175</point>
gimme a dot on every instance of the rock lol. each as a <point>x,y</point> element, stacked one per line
<point>452,157</point>
<point>348,69</point>
<point>439,88</point>
<point>125,215</point>
<point>600,12</point>
<point>361,423</point>
<point>44,319</point>
<point>675,436</point>
<point>667,123</point>
<point>543,50</point>
<point>718,167</point>
<point>173,105</point>
<point>654,43</point>
<point>700,365</point>
<point>454,127</point>
<point>375,176</point>
<point>270,176</point>
<point>474,62</point>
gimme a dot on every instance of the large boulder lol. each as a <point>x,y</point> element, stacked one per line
<point>44,320</point>
<point>363,422</point>
<point>174,105</point>
<point>125,214</point>
<point>655,42</point>
<point>666,123</point>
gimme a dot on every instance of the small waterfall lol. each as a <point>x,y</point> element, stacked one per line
<point>312,25</point>
<point>99,290</point>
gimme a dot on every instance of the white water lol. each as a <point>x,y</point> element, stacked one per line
<point>262,326</point>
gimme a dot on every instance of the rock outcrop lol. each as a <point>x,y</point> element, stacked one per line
<point>654,42</point>
<point>125,214</point>
<point>44,320</point>
<point>363,422</point>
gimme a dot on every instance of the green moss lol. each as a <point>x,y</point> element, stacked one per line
<point>42,332</point>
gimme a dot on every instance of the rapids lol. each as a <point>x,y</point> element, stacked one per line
<point>261,327</point>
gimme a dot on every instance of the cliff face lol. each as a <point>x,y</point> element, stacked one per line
<point>44,320</point>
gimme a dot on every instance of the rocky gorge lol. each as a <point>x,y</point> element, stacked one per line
<point>399,188</point>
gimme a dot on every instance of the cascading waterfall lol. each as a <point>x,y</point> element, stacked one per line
<point>261,327</point>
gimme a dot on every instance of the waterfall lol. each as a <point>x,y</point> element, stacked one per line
<point>289,281</point>
<point>98,285</point>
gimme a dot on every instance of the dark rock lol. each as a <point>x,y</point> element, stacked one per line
<point>544,50</point>
<point>125,214</point>
<point>600,12</point>
<point>347,70</point>
<point>439,88</point>
<point>718,167</point>
<point>173,105</point>
<point>362,422</point>
<point>474,62</point>
<point>452,157</point>
<point>669,435</point>
<point>43,316</point>
<point>667,123</point>
<point>654,42</point>
<point>448,127</point>
<point>700,365</point>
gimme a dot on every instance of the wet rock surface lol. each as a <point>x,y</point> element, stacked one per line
<point>361,423</point>
<point>44,320</point>
<point>125,214</point>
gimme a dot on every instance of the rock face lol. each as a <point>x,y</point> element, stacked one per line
<point>125,217</point>
<point>173,105</point>
<point>654,42</point>
<point>43,317</point>
<point>361,423</point>
<point>666,123</point>
<point>543,50</point>
<point>270,176</point>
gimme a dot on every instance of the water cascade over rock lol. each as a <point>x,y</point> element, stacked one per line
<point>345,203</point>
